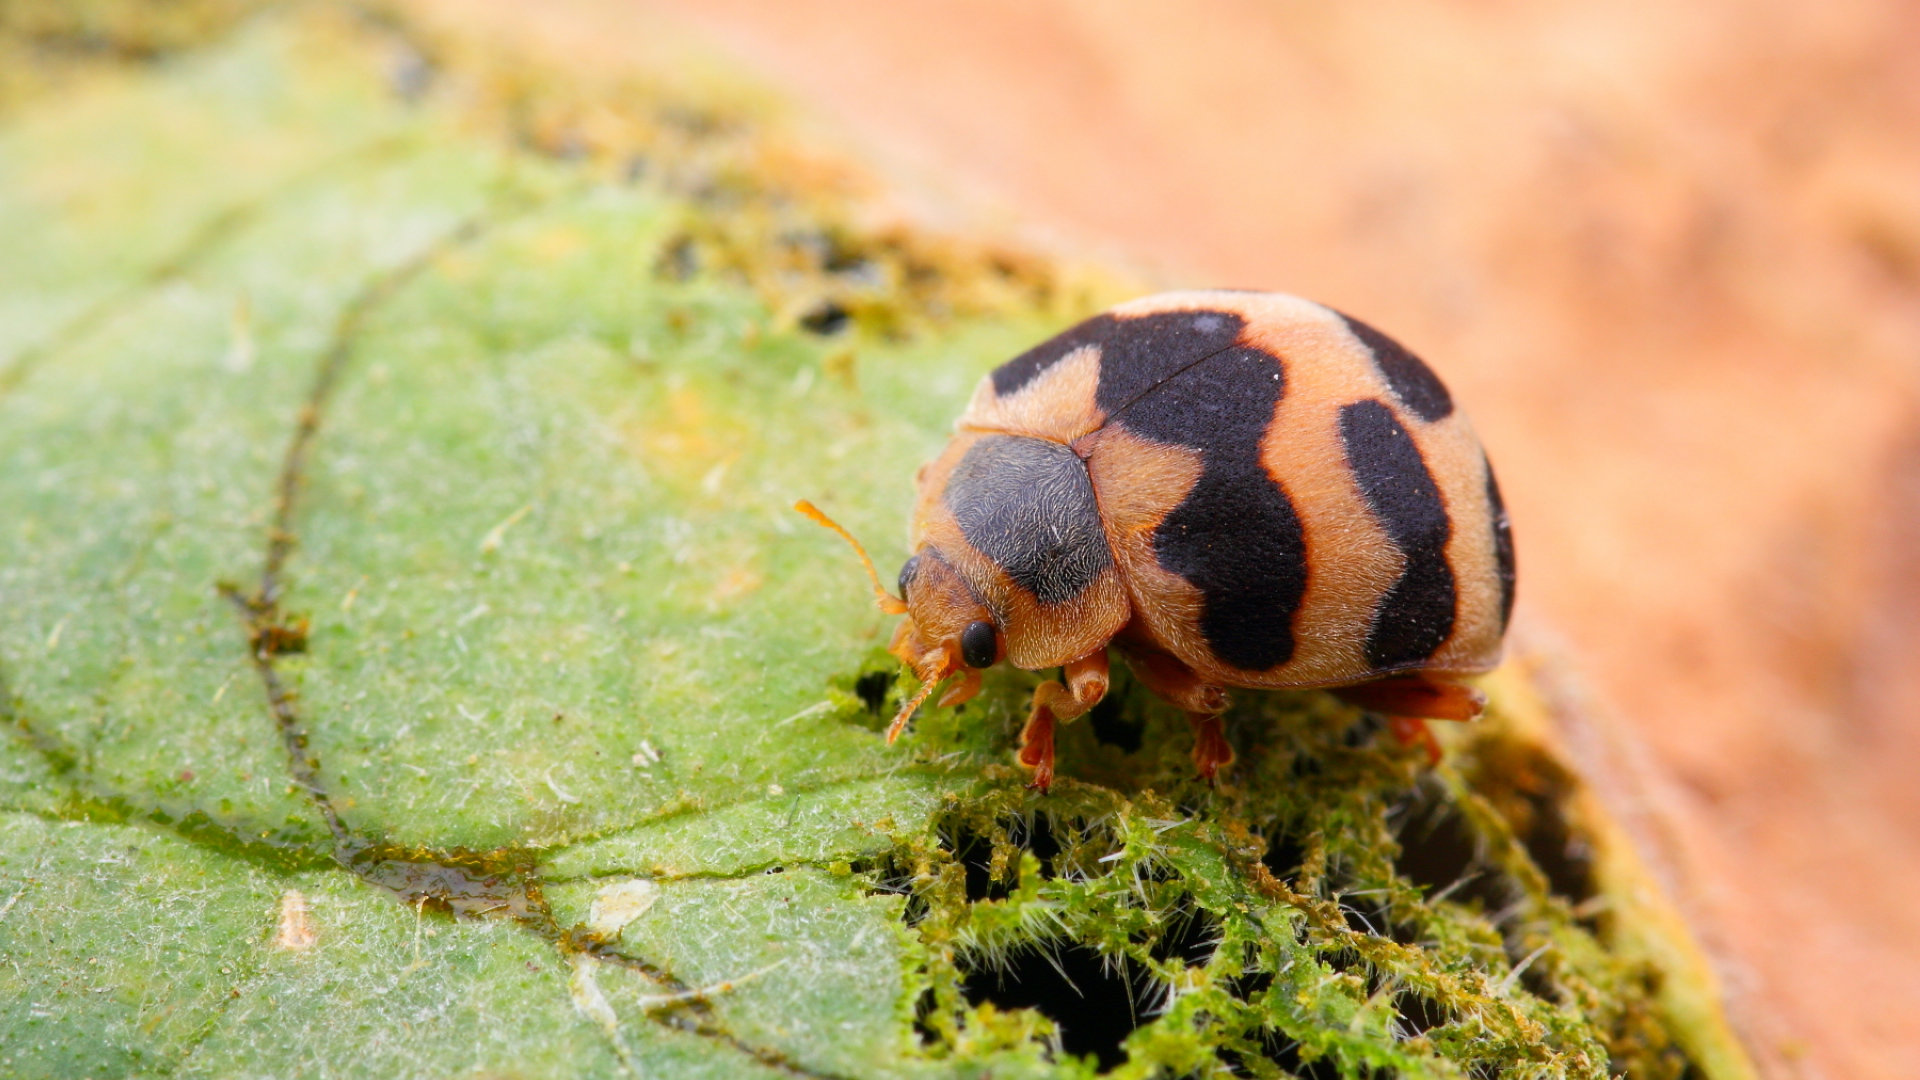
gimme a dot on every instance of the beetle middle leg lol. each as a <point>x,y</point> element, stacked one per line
<point>1086,685</point>
<point>1202,701</point>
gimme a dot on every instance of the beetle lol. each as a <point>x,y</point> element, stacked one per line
<point>1231,489</point>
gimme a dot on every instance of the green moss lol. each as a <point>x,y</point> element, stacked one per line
<point>397,544</point>
<point>1355,914</point>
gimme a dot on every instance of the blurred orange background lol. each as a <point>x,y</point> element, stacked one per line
<point>1668,255</point>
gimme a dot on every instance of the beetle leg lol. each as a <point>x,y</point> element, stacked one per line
<point>1175,682</point>
<point>1086,685</point>
<point>1036,746</point>
<point>1417,696</point>
<point>1409,701</point>
<point>1210,747</point>
<point>1413,731</point>
<point>906,645</point>
<point>1203,702</point>
<point>963,689</point>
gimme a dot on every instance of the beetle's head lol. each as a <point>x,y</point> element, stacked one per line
<point>947,630</point>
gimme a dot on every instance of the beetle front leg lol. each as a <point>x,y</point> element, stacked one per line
<point>1086,684</point>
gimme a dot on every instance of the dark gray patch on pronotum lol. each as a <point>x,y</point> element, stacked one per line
<point>1235,536</point>
<point>1417,612</point>
<point>1028,505</point>
<point>1502,546</point>
<point>1411,380</point>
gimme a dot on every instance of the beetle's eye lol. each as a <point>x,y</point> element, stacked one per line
<point>977,644</point>
<point>906,575</point>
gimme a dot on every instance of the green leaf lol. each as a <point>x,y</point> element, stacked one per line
<point>413,666</point>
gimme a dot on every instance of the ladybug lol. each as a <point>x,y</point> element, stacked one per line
<point>1232,489</point>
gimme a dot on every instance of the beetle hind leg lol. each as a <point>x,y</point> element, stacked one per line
<point>1086,685</point>
<point>1415,731</point>
<point>1409,701</point>
<point>1210,747</point>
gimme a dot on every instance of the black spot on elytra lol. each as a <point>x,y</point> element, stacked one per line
<point>1236,536</point>
<point>1412,381</point>
<point>1140,355</point>
<point>1016,373</point>
<point>1417,612</point>
<point>1502,546</point>
<point>1028,505</point>
<point>1169,339</point>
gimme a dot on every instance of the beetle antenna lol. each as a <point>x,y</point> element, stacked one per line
<point>889,603</point>
<point>927,683</point>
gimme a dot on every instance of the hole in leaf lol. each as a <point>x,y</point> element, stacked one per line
<point>458,883</point>
<point>923,1007</point>
<point>1036,835</point>
<point>1277,1049</point>
<point>1419,1014</point>
<point>1538,981</point>
<point>1189,937</point>
<point>1440,851</point>
<point>871,687</point>
<point>1363,917</point>
<point>1113,727</point>
<point>679,260</point>
<point>1361,732</point>
<point>1284,856</point>
<point>1250,986</point>
<point>1090,997</point>
<point>1560,852</point>
<point>974,852</point>
<point>887,875</point>
<point>826,318</point>
<point>1532,791</point>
